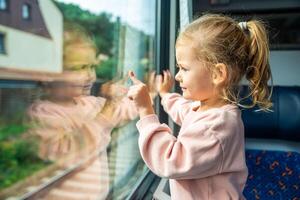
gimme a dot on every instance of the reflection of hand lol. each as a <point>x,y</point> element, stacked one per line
<point>151,84</point>
<point>139,93</point>
<point>164,83</point>
<point>109,109</point>
<point>114,90</point>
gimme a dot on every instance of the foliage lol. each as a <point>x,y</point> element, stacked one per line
<point>12,131</point>
<point>18,155</point>
<point>106,70</point>
<point>99,26</point>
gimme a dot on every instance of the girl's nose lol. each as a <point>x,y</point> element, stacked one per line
<point>92,74</point>
<point>178,77</point>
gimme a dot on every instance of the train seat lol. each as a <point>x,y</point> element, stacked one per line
<point>273,147</point>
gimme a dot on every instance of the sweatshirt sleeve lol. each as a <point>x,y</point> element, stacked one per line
<point>176,106</point>
<point>99,132</point>
<point>124,112</point>
<point>194,154</point>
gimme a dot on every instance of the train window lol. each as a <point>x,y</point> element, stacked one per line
<point>282,22</point>
<point>281,18</point>
<point>284,30</point>
<point>67,129</point>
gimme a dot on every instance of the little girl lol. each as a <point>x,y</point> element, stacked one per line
<point>207,158</point>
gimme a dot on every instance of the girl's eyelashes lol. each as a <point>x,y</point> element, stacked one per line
<point>182,68</point>
<point>88,66</point>
<point>83,67</point>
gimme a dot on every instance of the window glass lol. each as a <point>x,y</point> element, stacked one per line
<point>284,30</point>
<point>280,17</point>
<point>64,115</point>
<point>26,11</point>
<point>3,4</point>
<point>2,43</point>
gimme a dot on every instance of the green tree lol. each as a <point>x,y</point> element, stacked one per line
<point>100,27</point>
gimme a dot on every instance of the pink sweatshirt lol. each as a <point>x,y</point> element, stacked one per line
<point>207,158</point>
<point>80,129</point>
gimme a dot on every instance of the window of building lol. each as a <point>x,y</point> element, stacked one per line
<point>2,43</point>
<point>3,5</point>
<point>26,11</point>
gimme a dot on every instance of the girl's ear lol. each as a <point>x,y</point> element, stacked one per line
<point>220,74</point>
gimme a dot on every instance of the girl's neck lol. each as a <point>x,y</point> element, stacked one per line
<point>63,101</point>
<point>211,103</point>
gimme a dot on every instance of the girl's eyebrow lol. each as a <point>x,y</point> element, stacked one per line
<point>180,66</point>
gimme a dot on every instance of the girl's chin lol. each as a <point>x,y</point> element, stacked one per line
<point>186,96</point>
<point>189,97</point>
<point>86,91</point>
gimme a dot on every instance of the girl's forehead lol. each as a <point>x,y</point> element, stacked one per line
<point>81,56</point>
<point>185,53</point>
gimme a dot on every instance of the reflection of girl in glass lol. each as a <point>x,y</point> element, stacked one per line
<point>75,127</point>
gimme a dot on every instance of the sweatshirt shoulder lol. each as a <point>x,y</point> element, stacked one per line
<point>228,123</point>
<point>42,108</point>
<point>227,115</point>
<point>177,101</point>
<point>91,100</point>
<point>225,119</point>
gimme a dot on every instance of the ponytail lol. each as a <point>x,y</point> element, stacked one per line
<point>258,72</point>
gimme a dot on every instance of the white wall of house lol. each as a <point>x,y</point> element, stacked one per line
<point>54,21</point>
<point>27,51</point>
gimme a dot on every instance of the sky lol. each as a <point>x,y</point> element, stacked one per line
<point>137,13</point>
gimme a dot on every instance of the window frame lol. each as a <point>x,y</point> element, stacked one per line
<point>167,18</point>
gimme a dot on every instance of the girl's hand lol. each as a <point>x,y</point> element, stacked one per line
<point>139,93</point>
<point>164,83</point>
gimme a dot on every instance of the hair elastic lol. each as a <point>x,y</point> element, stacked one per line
<point>243,25</point>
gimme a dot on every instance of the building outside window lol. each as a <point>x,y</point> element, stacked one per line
<point>2,43</point>
<point>3,5</point>
<point>26,11</point>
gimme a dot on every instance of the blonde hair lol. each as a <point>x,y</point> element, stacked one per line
<point>245,52</point>
<point>76,39</point>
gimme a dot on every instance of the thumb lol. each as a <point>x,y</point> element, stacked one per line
<point>133,78</point>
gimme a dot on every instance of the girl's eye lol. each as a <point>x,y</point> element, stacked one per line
<point>180,68</point>
<point>184,69</point>
<point>93,66</point>
<point>75,68</point>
